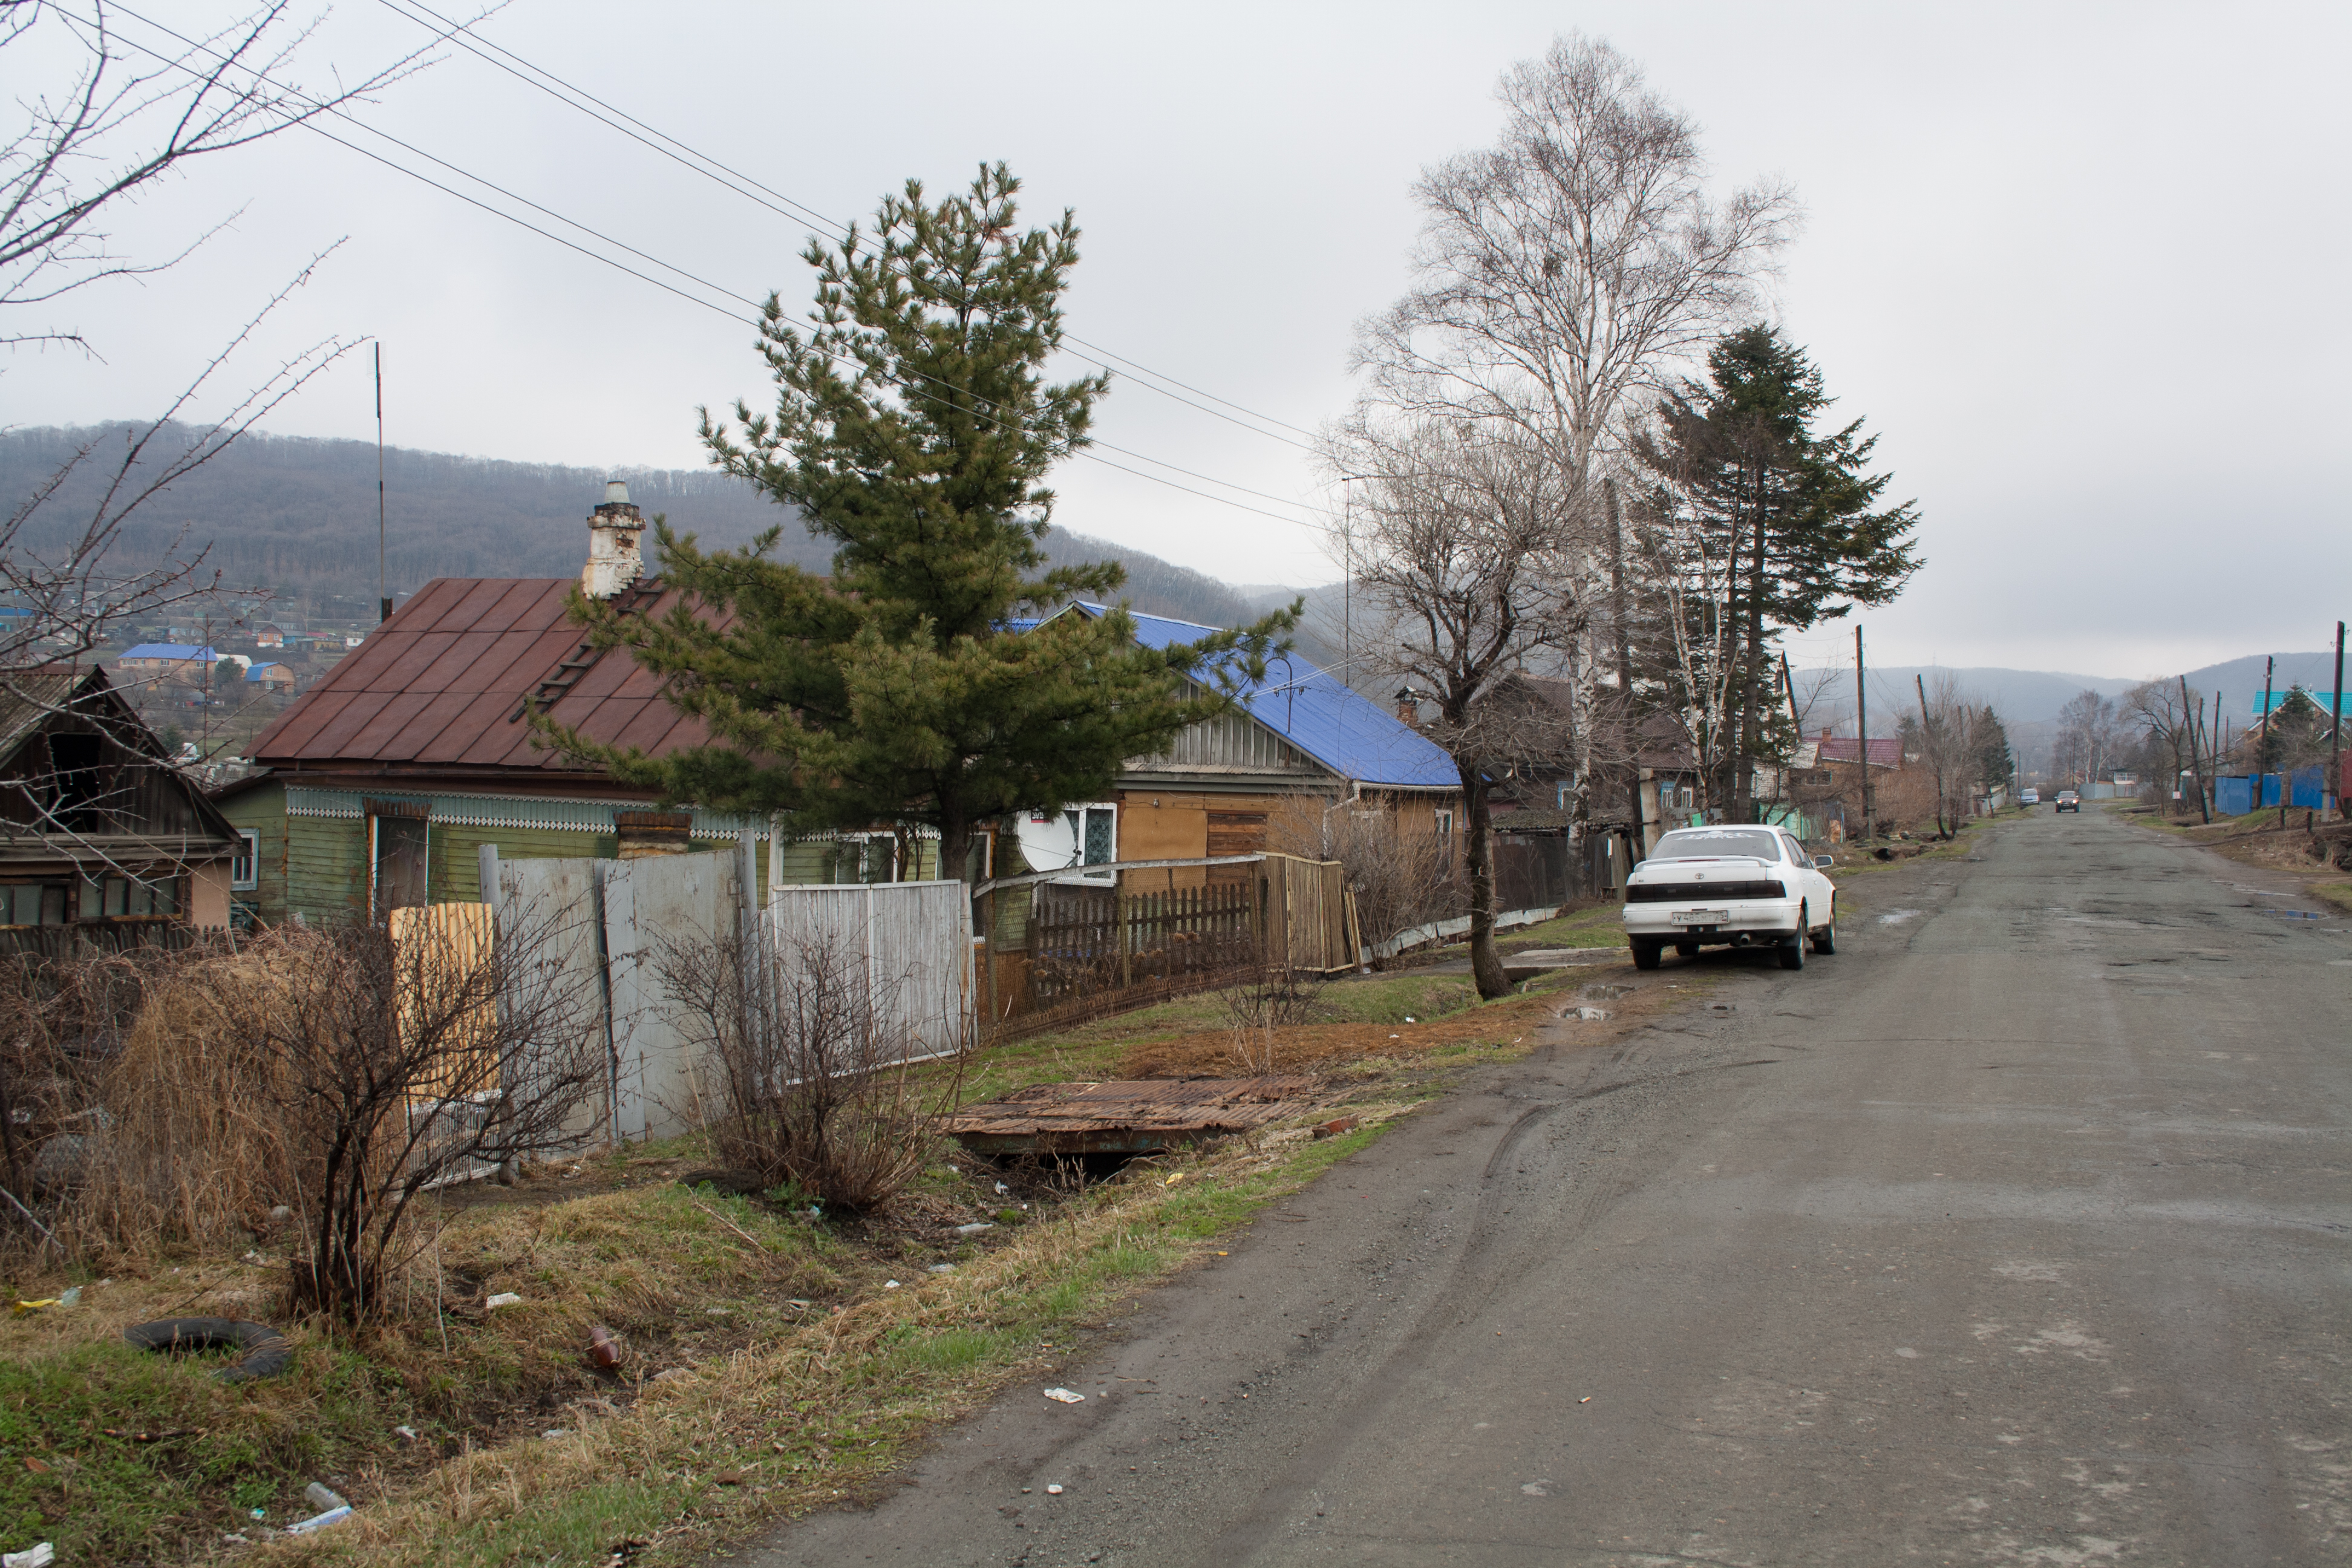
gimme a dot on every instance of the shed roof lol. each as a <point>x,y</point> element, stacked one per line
<point>441,687</point>
<point>1320,714</point>
<point>181,651</point>
<point>1884,753</point>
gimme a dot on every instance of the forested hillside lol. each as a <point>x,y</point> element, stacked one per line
<point>298,516</point>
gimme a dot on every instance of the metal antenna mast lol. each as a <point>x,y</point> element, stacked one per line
<point>383,581</point>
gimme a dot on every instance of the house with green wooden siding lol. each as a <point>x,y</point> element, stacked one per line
<point>380,786</point>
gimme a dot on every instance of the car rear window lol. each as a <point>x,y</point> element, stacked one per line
<point>1692,842</point>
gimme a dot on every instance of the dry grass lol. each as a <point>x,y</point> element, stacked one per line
<point>1495,1025</point>
<point>167,1134</point>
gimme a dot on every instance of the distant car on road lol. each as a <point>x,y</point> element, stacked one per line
<point>1729,887</point>
<point>2028,797</point>
<point>2070,801</point>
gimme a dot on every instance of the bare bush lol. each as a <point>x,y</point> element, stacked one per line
<point>1402,873</point>
<point>403,1059</point>
<point>815,1084</point>
<point>1260,998</point>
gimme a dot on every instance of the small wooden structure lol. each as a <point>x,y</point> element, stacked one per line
<point>1140,1116</point>
<point>102,842</point>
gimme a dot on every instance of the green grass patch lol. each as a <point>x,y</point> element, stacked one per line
<point>118,1454</point>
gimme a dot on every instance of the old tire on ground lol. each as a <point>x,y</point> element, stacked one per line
<point>1645,954</point>
<point>266,1353</point>
<point>1687,950</point>
<point>1825,939</point>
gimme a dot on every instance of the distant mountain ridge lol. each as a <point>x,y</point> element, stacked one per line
<point>298,514</point>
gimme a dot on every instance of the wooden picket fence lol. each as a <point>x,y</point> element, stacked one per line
<point>1057,952</point>
<point>1084,940</point>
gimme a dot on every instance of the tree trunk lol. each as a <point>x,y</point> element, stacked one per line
<point>1477,858</point>
<point>955,843</point>
<point>1743,759</point>
<point>1628,739</point>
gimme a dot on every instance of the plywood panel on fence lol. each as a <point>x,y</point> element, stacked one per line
<point>442,950</point>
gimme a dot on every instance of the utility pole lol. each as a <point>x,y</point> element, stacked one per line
<point>1346,579</point>
<point>1861,729</point>
<point>2195,770</point>
<point>1929,752</point>
<point>2336,728</point>
<point>2262,752</point>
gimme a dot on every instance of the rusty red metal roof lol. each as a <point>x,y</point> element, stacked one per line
<point>443,687</point>
<point>1130,1117</point>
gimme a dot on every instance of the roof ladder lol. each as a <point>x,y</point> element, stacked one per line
<point>554,688</point>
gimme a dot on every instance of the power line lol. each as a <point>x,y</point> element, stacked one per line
<point>994,416</point>
<point>723,174</point>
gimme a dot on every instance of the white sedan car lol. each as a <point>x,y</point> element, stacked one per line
<point>1729,887</point>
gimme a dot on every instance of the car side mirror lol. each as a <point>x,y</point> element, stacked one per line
<point>1823,862</point>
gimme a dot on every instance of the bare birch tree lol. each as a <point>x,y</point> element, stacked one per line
<point>1463,539</point>
<point>1695,653</point>
<point>1563,273</point>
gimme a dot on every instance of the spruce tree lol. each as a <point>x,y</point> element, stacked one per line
<point>914,427</point>
<point>1794,509</point>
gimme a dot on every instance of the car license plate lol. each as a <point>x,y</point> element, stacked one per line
<point>1700,917</point>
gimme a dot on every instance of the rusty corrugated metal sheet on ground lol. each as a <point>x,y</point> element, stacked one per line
<point>1134,1117</point>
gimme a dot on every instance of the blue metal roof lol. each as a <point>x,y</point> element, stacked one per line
<point>171,651</point>
<point>1320,714</point>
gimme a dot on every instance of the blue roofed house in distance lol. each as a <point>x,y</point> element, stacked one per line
<point>1298,742</point>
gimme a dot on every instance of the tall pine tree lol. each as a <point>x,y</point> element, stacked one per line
<point>913,426</point>
<point>1792,509</point>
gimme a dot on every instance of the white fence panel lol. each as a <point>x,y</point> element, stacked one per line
<point>912,940</point>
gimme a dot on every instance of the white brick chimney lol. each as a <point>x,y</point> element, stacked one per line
<point>614,558</point>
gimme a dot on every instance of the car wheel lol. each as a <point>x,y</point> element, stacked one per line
<point>1645,954</point>
<point>1792,948</point>
<point>1825,939</point>
<point>1685,950</point>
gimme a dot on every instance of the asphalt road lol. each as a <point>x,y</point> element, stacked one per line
<point>2016,1232</point>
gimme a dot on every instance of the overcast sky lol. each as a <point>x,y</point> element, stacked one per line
<point>2080,266</point>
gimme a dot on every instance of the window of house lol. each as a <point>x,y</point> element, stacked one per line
<point>80,765</point>
<point>403,844</point>
<point>1444,823</point>
<point>1560,795</point>
<point>1099,837</point>
<point>244,868</point>
<point>126,899</point>
<point>32,904</point>
<point>1686,797</point>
